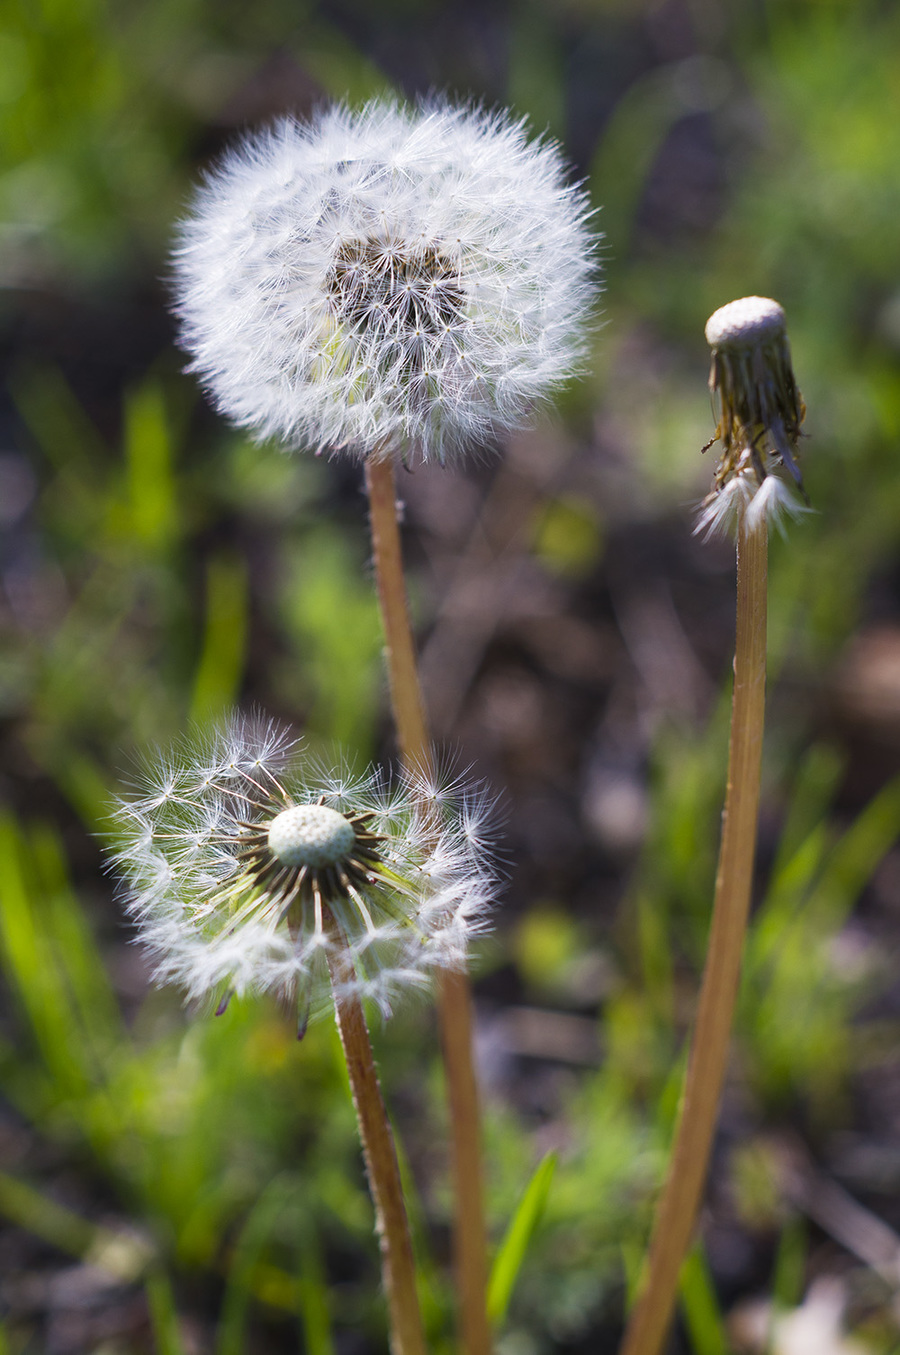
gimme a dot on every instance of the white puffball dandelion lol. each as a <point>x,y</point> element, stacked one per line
<point>761,413</point>
<point>245,870</point>
<point>386,279</point>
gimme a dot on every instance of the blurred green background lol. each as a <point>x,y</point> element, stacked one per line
<point>181,1184</point>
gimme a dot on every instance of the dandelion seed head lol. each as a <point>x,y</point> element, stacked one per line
<point>257,864</point>
<point>412,279</point>
<point>761,412</point>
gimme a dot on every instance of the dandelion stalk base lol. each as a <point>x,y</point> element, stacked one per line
<point>398,1267</point>
<point>682,1192</point>
<point>455,997</point>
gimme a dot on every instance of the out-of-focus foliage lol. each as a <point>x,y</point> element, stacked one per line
<point>156,568</point>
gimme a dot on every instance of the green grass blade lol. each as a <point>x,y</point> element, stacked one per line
<point>341,68</point>
<point>428,1285</point>
<point>221,664</point>
<point>43,1217</point>
<point>315,1312</point>
<point>632,1257</point>
<point>78,955</point>
<point>332,617</point>
<point>125,1256</point>
<point>812,791</point>
<point>58,423</point>
<point>785,899</point>
<point>859,851</point>
<point>148,454</point>
<point>82,782</point>
<point>702,1314</point>
<point>244,1265</point>
<point>536,69</point>
<point>32,967</point>
<point>522,1226</point>
<point>163,1315</point>
<point>790,1265</point>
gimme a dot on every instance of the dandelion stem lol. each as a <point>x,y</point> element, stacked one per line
<point>455,998</point>
<point>465,1120</point>
<point>679,1203</point>
<point>403,674</point>
<point>398,1267</point>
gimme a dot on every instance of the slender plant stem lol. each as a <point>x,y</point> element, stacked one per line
<point>398,1267</point>
<point>455,997</point>
<point>680,1200</point>
<point>465,1119</point>
<point>403,673</point>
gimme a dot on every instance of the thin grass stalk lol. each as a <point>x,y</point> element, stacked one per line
<point>392,1224</point>
<point>679,1203</point>
<point>454,992</point>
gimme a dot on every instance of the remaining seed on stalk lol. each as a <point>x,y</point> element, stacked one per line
<point>761,412</point>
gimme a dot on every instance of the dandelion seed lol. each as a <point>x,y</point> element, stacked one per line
<point>761,413</point>
<point>390,278</point>
<point>246,870</point>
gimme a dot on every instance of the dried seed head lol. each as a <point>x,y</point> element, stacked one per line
<point>760,416</point>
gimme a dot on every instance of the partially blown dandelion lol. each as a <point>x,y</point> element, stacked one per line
<point>247,871</point>
<point>761,413</point>
<point>386,279</point>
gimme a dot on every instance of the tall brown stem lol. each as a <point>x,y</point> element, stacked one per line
<point>677,1209</point>
<point>403,673</point>
<point>455,998</point>
<point>398,1267</point>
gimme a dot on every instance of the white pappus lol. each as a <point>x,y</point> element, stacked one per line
<point>246,868</point>
<point>386,280</point>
